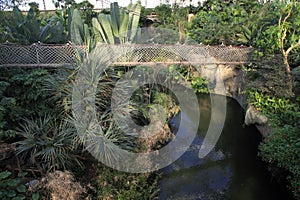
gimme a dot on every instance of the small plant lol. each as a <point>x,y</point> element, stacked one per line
<point>47,144</point>
<point>190,75</point>
<point>12,188</point>
<point>279,110</point>
<point>167,102</point>
<point>199,85</point>
<point>113,184</point>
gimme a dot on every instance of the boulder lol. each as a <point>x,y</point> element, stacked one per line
<point>253,116</point>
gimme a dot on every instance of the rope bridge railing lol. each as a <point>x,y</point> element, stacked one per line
<point>42,55</point>
<point>38,55</point>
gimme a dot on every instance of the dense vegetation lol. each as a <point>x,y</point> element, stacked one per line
<point>35,106</point>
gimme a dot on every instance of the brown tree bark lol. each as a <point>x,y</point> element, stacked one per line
<point>285,53</point>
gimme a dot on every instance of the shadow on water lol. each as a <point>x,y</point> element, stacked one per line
<point>232,170</point>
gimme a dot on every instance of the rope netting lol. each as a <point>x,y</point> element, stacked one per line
<point>55,55</point>
<point>39,54</point>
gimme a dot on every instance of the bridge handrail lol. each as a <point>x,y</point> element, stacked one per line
<point>55,55</point>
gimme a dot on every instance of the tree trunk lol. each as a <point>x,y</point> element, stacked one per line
<point>289,77</point>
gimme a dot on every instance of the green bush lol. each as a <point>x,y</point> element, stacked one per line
<point>282,146</point>
<point>22,95</point>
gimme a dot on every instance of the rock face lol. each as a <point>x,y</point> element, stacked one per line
<point>230,80</point>
<point>254,117</point>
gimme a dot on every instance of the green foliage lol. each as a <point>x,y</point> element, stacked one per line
<point>175,18</point>
<point>21,96</point>
<point>79,32</point>
<point>63,3</point>
<point>33,27</point>
<point>167,101</point>
<point>269,105</point>
<point>113,184</point>
<point>20,28</point>
<point>220,21</point>
<point>199,84</point>
<point>268,42</point>
<point>120,26</point>
<point>85,7</point>
<point>164,14</point>
<point>12,188</point>
<point>53,32</point>
<point>262,17</point>
<point>282,146</point>
<point>280,110</point>
<point>35,7</point>
<point>280,30</point>
<point>191,76</point>
<point>3,108</point>
<point>87,12</point>
<point>79,22</point>
<point>76,32</point>
<point>48,144</point>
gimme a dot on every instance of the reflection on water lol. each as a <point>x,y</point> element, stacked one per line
<point>231,170</point>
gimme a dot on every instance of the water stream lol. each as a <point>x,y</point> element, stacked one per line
<point>231,171</point>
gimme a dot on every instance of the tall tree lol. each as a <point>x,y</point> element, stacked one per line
<point>63,3</point>
<point>219,21</point>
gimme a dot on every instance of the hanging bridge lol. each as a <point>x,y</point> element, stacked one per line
<point>40,55</point>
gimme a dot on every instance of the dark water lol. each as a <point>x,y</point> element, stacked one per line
<point>232,170</point>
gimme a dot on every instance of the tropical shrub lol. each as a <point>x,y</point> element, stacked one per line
<point>22,29</point>
<point>48,144</point>
<point>33,27</point>
<point>173,17</point>
<point>21,96</point>
<point>53,32</point>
